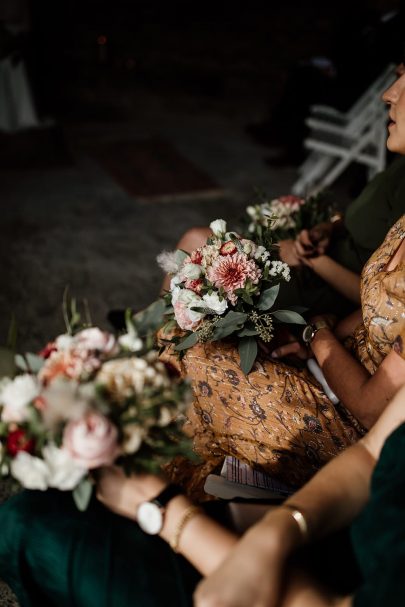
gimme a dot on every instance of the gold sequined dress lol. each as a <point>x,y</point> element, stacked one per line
<point>278,418</point>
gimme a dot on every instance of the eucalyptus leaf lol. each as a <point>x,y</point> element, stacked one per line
<point>247,352</point>
<point>31,363</point>
<point>232,319</point>
<point>289,316</point>
<point>188,342</point>
<point>151,318</point>
<point>82,494</point>
<point>246,332</point>
<point>35,362</point>
<point>268,297</point>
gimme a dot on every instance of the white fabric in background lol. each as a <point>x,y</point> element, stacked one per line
<point>17,109</point>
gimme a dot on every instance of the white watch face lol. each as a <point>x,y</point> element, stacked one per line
<point>149,517</point>
<point>308,334</point>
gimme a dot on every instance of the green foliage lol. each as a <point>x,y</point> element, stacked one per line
<point>289,316</point>
<point>247,352</point>
<point>82,494</point>
<point>268,297</point>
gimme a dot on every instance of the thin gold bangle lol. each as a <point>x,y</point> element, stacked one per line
<point>300,519</point>
<point>187,515</point>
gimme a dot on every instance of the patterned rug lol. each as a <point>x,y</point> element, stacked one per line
<point>152,170</point>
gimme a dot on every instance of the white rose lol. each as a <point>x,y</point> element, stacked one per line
<point>190,271</point>
<point>64,342</point>
<point>15,397</point>
<point>133,437</point>
<point>64,472</point>
<point>30,471</point>
<point>130,341</point>
<point>214,303</point>
<point>218,227</point>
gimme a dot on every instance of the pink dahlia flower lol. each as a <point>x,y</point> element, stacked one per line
<point>232,272</point>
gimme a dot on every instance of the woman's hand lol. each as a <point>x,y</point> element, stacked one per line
<point>122,494</point>
<point>313,242</point>
<point>252,574</point>
<point>288,253</point>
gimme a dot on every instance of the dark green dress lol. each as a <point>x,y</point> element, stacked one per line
<point>378,535</point>
<point>367,221</point>
<point>54,556</point>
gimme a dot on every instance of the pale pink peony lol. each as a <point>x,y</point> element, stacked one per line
<point>183,300</point>
<point>91,441</point>
<point>232,272</point>
<point>94,339</point>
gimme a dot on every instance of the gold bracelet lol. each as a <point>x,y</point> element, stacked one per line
<point>299,519</point>
<point>188,514</point>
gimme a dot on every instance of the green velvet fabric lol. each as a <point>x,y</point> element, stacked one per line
<point>378,535</point>
<point>367,220</point>
<point>52,555</point>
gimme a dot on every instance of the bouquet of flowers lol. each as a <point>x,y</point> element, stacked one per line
<point>89,400</point>
<point>227,287</point>
<point>284,217</point>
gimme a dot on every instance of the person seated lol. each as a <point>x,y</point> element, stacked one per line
<point>278,417</point>
<point>53,555</point>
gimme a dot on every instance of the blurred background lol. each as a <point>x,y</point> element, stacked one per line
<point>124,123</point>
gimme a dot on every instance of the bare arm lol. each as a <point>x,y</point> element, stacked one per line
<point>365,395</point>
<point>331,500</point>
<point>346,326</point>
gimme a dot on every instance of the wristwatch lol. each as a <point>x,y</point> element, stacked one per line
<point>310,331</point>
<point>150,515</point>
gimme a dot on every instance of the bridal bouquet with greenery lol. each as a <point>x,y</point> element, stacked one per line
<point>228,287</point>
<point>89,400</point>
<point>284,217</point>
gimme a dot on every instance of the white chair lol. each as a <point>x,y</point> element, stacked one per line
<point>337,139</point>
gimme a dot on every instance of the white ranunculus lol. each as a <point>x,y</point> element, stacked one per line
<point>191,271</point>
<point>218,227</point>
<point>130,341</point>
<point>30,471</point>
<point>64,342</point>
<point>15,397</point>
<point>64,472</point>
<point>214,303</point>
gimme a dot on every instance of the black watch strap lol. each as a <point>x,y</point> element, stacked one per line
<point>166,495</point>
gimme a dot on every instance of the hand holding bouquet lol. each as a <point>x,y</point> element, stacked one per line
<point>226,287</point>
<point>284,217</point>
<point>89,400</point>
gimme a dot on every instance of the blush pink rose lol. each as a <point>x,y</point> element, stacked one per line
<point>91,441</point>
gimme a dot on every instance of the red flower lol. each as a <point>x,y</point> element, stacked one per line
<point>47,351</point>
<point>194,285</point>
<point>196,257</point>
<point>228,248</point>
<point>291,199</point>
<point>17,441</point>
